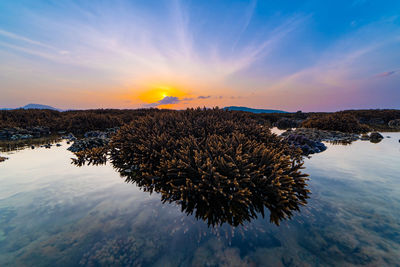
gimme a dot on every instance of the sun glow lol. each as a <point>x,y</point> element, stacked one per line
<point>159,92</point>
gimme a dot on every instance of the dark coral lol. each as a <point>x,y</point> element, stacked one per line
<point>219,165</point>
<point>286,123</point>
<point>337,121</point>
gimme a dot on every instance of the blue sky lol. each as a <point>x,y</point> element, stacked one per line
<point>292,55</point>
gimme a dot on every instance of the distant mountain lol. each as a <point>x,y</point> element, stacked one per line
<point>34,106</point>
<point>39,106</point>
<point>254,110</point>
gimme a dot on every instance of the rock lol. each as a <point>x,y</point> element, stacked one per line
<point>322,135</point>
<point>69,137</point>
<point>102,134</point>
<point>3,158</point>
<point>20,136</point>
<point>307,145</point>
<point>88,143</point>
<point>97,134</point>
<point>93,139</point>
<point>310,140</point>
<point>364,137</point>
<point>58,144</point>
<point>16,133</point>
<point>32,147</point>
<point>394,124</point>
<point>375,136</point>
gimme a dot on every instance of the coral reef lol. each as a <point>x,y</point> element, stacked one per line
<point>75,121</point>
<point>338,121</point>
<point>395,124</point>
<point>222,166</point>
<point>286,123</point>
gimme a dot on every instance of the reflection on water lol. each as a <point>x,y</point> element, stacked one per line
<point>230,190</point>
<point>54,214</point>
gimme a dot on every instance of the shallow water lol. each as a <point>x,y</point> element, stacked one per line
<point>55,214</point>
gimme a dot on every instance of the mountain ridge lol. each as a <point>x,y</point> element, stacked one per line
<point>34,106</point>
<point>254,110</point>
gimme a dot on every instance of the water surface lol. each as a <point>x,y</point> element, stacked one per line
<point>55,214</point>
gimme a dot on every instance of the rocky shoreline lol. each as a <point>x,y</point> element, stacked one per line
<point>91,139</point>
<point>16,133</point>
<point>37,137</point>
<point>310,140</point>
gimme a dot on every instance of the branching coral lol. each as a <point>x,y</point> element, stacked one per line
<point>338,121</point>
<point>220,166</point>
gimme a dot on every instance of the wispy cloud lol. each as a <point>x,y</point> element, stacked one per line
<point>24,39</point>
<point>144,49</point>
<point>214,55</point>
<point>386,73</point>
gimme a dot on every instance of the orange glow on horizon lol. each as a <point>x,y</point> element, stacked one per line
<point>158,92</point>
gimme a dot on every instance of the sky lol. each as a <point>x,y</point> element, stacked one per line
<point>289,55</point>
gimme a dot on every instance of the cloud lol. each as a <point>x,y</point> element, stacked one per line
<point>168,100</point>
<point>17,37</point>
<point>164,48</point>
<point>387,73</point>
<point>171,100</point>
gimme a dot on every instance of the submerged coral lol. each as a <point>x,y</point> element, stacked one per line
<point>222,167</point>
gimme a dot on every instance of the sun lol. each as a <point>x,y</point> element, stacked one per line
<point>155,93</point>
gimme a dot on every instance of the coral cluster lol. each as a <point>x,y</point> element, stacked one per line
<point>286,123</point>
<point>219,165</point>
<point>338,121</point>
<point>75,121</point>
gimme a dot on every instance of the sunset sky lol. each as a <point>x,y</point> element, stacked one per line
<point>290,55</point>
